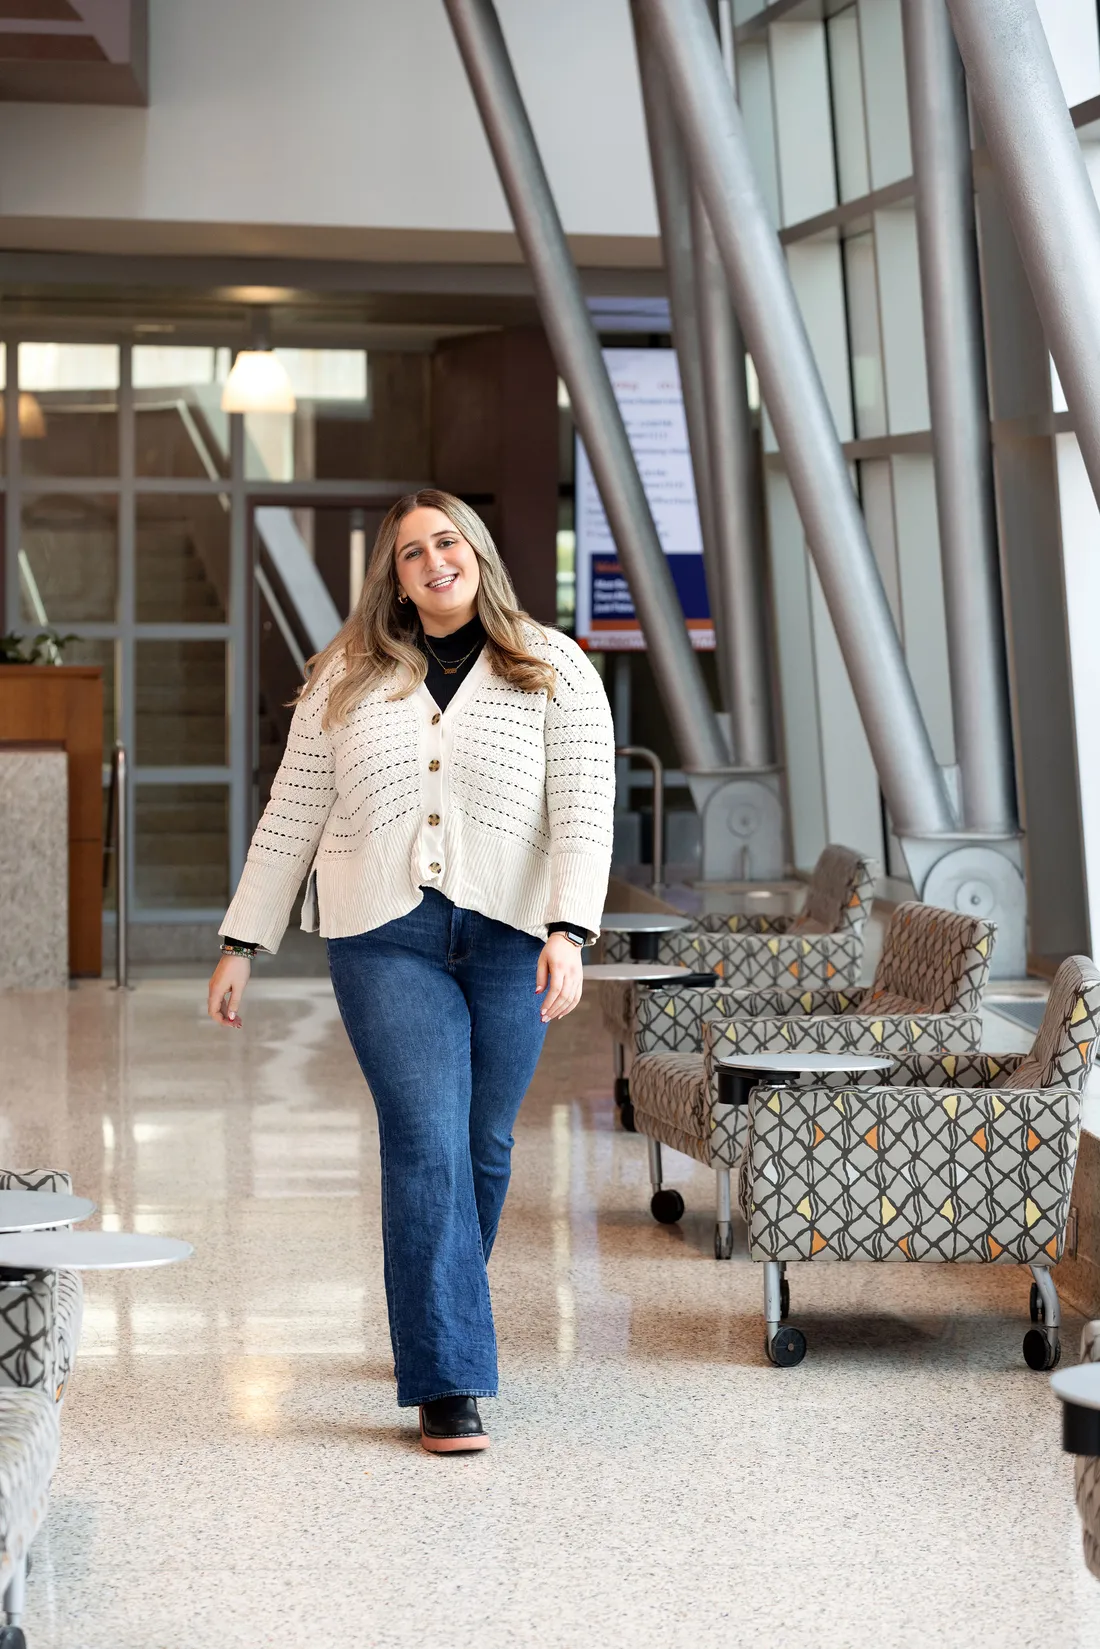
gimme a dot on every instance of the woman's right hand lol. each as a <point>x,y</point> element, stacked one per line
<point>227,987</point>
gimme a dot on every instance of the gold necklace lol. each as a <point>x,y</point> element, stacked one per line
<point>451,669</point>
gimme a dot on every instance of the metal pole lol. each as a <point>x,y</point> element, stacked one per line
<point>939,125</point>
<point>1046,189</point>
<point>577,352</point>
<point>738,605</point>
<point>122,866</point>
<point>651,756</point>
<point>768,310</point>
<point>673,190</point>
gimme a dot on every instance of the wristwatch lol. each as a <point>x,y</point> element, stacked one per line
<point>576,936</point>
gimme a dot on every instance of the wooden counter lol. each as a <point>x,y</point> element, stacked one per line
<point>63,705</point>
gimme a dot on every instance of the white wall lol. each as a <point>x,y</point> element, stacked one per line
<point>340,112</point>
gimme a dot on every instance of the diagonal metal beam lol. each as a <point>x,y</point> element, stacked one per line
<point>576,349</point>
<point>768,311</point>
<point>1046,189</point>
<point>672,190</point>
<point>939,125</point>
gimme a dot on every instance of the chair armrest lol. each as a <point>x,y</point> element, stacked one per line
<point>910,1173</point>
<point>671,1021</point>
<point>952,1070</point>
<point>759,961</point>
<point>788,1004</point>
<point>742,924</point>
<point>936,1033</point>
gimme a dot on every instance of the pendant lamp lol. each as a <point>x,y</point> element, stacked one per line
<point>258,380</point>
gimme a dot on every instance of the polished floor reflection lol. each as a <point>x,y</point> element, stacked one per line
<point>234,1470</point>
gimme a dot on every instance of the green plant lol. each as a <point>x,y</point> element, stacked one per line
<point>44,648</point>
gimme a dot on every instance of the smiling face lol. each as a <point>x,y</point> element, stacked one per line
<point>437,569</point>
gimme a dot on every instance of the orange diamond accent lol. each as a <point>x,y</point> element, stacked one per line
<point>980,1140</point>
<point>829,970</point>
<point>795,969</point>
<point>1033,1140</point>
<point>817,1244</point>
<point>871,1137</point>
<point>903,1244</point>
<point>819,1134</point>
<point>1052,1248</point>
<point>995,1248</point>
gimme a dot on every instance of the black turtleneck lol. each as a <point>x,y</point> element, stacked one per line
<point>459,651</point>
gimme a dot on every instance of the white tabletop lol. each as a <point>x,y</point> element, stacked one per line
<point>35,1210</point>
<point>88,1250</point>
<point>807,1061</point>
<point>637,972</point>
<point>1080,1385</point>
<point>643,921</point>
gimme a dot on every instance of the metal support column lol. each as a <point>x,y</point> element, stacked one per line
<point>738,602</point>
<point>1046,189</point>
<point>768,310</point>
<point>940,131</point>
<point>673,191</point>
<point>576,349</point>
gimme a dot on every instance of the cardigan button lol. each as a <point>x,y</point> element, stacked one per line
<point>433,818</point>
<point>433,767</point>
<point>436,718</point>
<point>435,868</point>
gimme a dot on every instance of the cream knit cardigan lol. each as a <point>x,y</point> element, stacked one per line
<point>503,803</point>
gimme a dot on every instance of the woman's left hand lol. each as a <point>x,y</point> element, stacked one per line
<point>561,969</point>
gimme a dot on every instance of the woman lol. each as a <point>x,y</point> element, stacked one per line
<point>449,775</point>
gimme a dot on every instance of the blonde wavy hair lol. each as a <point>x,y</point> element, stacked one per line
<point>379,638</point>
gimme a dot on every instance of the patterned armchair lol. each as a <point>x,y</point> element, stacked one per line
<point>821,947</point>
<point>964,1158</point>
<point>926,996</point>
<point>40,1319</point>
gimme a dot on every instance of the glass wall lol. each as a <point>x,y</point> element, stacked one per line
<point>129,502</point>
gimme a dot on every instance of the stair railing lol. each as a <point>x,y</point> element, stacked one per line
<point>116,846</point>
<point>654,761</point>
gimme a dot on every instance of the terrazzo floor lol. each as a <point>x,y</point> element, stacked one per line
<point>234,1470</point>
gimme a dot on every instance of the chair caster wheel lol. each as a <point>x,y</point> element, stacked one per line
<point>666,1206</point>
<point>787,1348</point>
<point>11,1637</point>
<point>723,1242</point>
<point>622,1091</point>
<point>785,1305</point>
<point>626,1118</point>
<point>1042,1348</point>
<point>1035,1304</point>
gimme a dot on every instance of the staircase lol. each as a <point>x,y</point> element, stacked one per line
<point>181,832</point>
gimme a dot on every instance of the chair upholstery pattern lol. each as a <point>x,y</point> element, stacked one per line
<point>30,1443</point>
<point>909,1174</point>
<point>821,946</point>
<point>979,1168</point>
<point>40,1317</point>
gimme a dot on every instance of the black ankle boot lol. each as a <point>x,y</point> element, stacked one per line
<point>451,1425</point>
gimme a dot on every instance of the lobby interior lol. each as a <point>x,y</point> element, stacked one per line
<point>894,533</point>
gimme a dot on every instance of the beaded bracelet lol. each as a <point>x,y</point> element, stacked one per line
<point>247,951</point>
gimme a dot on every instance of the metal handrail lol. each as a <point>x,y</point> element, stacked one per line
<point>655,763</point>
<point>118,826</point>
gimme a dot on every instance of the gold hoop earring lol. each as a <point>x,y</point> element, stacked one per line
<point>401,596</point>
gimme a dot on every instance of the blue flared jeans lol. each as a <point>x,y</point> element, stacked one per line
<point>441,1010</point>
